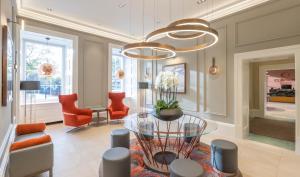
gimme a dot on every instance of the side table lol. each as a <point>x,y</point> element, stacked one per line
<point>97,110</point>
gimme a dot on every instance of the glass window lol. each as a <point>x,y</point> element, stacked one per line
<point>127,84</point>
<point>37,52</point>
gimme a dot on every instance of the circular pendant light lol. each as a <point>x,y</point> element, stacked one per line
<point>187,21</point>
<point>129,50</point>
<point>208,32</point>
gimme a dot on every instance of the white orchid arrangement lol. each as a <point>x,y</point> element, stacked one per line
<point>166,83</point>
<point>166,80</point>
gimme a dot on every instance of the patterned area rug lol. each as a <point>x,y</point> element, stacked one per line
<point>201,154</point>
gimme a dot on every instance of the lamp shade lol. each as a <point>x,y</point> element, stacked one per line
<point>143,85</point>
<point>29,85</point>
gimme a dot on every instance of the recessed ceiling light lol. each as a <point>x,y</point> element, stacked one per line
<point>49,9</point>
<point>121,5</point>
<point>200,1</point>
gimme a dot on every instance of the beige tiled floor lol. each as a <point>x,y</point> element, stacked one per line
<point>78,154</point>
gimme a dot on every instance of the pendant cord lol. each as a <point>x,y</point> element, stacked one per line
<point>130,17</point>
<point>170,10</point>
<point>154,14</point>
<point>182,8</point>
<point>143,15</point>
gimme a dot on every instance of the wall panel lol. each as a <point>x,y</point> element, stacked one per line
<point>93,73</point>
<point>216,97</point>
<point>276,25</point>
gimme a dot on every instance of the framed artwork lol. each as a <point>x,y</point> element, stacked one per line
<point>180,69</point>
<point>7,66</point>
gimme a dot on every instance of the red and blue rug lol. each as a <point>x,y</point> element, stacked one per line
<point>200,154</point>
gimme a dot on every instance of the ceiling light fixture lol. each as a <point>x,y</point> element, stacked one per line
<point>121,5</point>
<point>190,28</point>
<point>49,9</point>
<point>183,29</point>
<point>212,34</point>
<point>200,1</point>
<point>128,50</point>
<point>188,21</point>
<point>165,51</point>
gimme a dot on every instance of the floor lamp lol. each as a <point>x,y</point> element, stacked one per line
<point>143,86</point>
<point>29,86</point>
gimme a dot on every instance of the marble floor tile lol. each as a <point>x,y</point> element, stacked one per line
<point>78,153</point>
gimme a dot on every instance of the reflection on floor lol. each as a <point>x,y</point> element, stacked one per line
<point>272,141</point>
<point>281,111</point>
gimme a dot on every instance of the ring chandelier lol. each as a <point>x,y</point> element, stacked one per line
<point>168,49</point>
<point>196,27</point>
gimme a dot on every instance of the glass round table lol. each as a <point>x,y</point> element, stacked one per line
<point>164,141</point>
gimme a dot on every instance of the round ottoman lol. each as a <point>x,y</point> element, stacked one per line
<point>224,156</point>
<point>146,130</point>
<point>115,163</point>
<point>120,138</point>
<point>191,130</point>
<point>185,168</point>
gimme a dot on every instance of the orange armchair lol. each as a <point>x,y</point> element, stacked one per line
<point>74,116</point>
<point>117,109</point>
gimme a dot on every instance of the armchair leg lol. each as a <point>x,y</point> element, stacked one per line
<point>51,172</point>
<point>73,129</point>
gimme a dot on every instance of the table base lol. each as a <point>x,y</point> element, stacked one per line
<point>161,160</point>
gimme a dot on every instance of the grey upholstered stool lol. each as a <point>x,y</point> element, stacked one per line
<point>115,163</point>
<point>120,138</point>
<point>185,168</point>
<point>224,156</point>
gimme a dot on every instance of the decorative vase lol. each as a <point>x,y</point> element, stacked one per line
<point>168,114</point>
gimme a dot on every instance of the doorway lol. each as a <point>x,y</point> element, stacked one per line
<point>242,87</point>
<point>272,101</point>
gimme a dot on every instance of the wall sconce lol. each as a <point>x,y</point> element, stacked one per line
<point>213,69</point>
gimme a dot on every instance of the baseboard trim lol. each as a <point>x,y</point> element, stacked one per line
<point>297,144</point>
<point>224,129</point>
<point>4,150</point>
<point>56,122</point>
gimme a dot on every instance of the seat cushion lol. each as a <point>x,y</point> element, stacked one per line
<point>185,167</point>
<point>29,136</point>
<point>84,119</point>
<point>118,113</point>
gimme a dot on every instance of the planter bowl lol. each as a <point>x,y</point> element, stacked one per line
<point>168,114</point>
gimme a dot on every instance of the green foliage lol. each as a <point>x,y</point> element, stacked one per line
<point>162,104</point>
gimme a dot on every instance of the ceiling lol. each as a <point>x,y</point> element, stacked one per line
<point>126,20</point>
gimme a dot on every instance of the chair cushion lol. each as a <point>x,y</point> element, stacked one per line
<point>29,136</point>
<point>23,129</point>
<point>30,142</point>
<point>118,113</point>
<point>84,119</point>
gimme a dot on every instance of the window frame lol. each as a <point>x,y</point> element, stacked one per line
<point>111,47</point>
<point>63,62</point>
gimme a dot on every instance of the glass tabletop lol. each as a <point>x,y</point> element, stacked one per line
<point>186,126</point>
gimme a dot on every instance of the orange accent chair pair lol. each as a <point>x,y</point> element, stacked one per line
<point>74,116</point>
<point>117,109</point>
